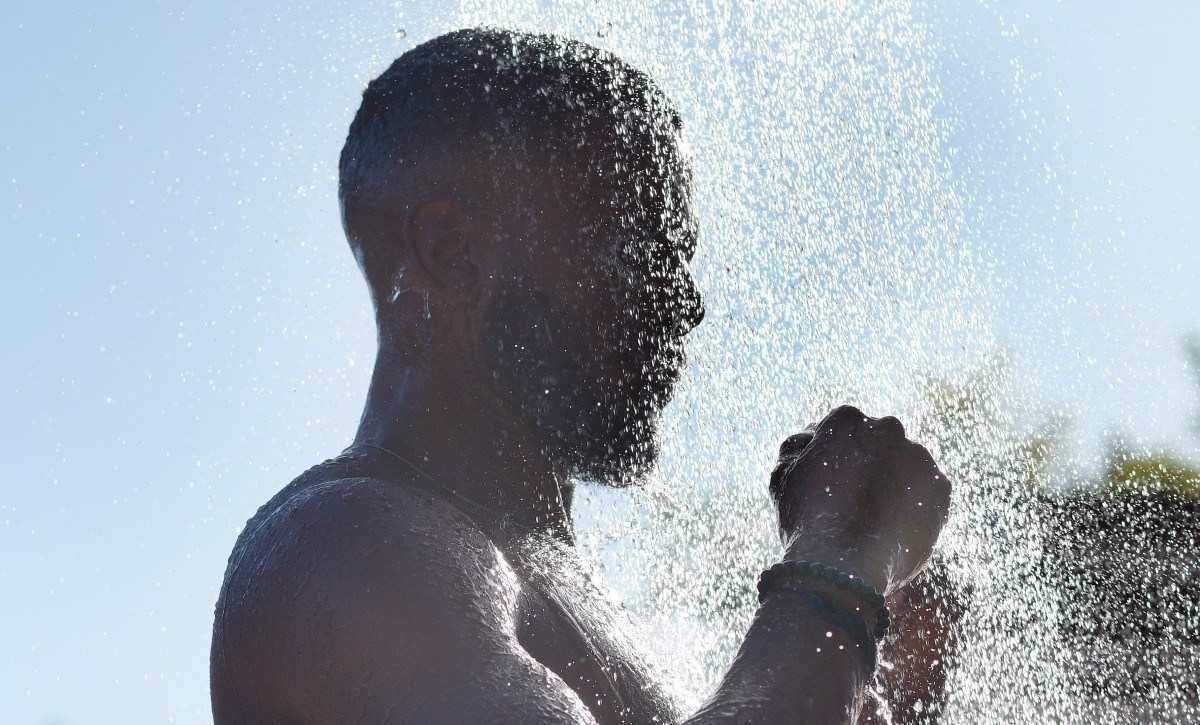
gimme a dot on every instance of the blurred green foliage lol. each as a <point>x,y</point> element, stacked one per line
<point>1158,472</point>
<point>1120,549</point>
<point>1117,555</point>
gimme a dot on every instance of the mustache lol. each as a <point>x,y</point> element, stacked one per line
<point>671,360</point>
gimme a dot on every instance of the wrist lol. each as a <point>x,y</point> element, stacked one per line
<point>839,599</point>
<point>845,559</point>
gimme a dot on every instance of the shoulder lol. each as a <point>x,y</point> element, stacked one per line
<point>362,531</point>
<point>363,510</point>
<point>336,568</point>
<point>359,600</point>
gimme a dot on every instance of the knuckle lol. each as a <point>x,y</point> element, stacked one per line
<point>941,493</point>
<point>846,411</point>
<point>944,491</point>
<point>779,482</point>
<point>891,424</point>
<point>794,444</point>
<point>921,453</point>
<point>841,418</point>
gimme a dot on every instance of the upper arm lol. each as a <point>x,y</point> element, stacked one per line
<point>385,605</point>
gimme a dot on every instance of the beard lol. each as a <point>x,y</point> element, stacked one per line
<point>545,366</point>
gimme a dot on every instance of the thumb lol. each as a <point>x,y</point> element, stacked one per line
<point>794,444</point>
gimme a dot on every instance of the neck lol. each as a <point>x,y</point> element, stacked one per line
<point>458,435</point>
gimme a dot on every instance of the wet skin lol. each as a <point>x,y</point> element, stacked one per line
<point>429,574</point>
<point>411,555</point>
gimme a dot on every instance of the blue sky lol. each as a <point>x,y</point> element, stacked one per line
<point>1090,169</point>
<point>187,330</point>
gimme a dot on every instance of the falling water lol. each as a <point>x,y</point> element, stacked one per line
<point>836,263</point>
<point>189,332</point>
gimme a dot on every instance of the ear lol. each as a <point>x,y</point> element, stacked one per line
<point>442,240</point>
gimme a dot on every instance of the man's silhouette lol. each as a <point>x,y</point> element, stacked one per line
<point>520,208</point>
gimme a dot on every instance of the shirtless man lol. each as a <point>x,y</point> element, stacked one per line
<point>520,208</point>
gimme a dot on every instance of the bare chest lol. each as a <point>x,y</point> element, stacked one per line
<point>566,623</point>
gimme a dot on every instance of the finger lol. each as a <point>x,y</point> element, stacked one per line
<point>789,453</point>
<point>841,421</point>
<point>922,455</point>
<point>920,467</point>
<point>935,503</point>
<point>922,460</point>
<point>794,444</point>
<point>941,495</point>
<point>890,426</point>
<point>779,476</point>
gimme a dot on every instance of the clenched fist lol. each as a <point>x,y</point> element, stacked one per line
<point>853,492</point>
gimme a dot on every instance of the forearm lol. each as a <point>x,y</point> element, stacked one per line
<point>793,666</point>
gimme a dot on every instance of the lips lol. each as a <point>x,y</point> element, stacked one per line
<point>664,371</point>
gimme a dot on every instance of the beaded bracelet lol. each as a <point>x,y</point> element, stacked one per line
<point>810,575</point>
<point>840,598</point>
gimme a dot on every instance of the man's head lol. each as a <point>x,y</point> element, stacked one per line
<point>520,207</point>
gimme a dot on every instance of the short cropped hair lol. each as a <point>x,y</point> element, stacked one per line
<point>497,101</point>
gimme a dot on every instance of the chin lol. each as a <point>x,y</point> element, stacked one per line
<point>621,448</point>
<point>620,467</point>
